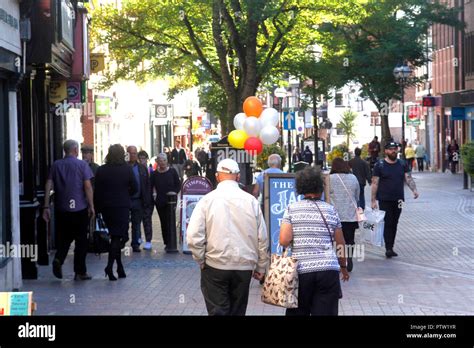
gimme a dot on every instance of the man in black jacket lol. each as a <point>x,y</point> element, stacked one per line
<point>361,170</point>
<point>178,157</point>
<point>141,200</point>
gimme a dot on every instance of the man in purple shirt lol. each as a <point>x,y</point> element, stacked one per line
<point>73,198</point>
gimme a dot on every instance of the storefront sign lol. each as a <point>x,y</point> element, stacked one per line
<point>192,191</point>
<point>413,115</point>
<point>57,91</point>
<point>15,303</point>
<point>278,193</point>
<point>102,106</point>
<point>97,62</point>
<point>74,92</point>
<point>8,19</point>
<point>458,114</point>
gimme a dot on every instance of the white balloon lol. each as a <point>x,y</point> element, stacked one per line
<point>269,117</point>
<point>252,126</point>
<point>239,120</point>
<point>269,135</point>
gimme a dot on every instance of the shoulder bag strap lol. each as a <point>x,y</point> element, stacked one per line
<point>351,198</point>
<point>325,222</point>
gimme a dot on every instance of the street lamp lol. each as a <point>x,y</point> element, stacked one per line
<point>401,74</point>
<point>280,93</point>
<point>316,51</point>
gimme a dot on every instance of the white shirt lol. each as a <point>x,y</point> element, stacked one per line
<point>227,230</point>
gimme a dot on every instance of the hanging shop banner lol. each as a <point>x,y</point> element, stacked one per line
<point>278,193</point>
<point>97,62</point>
<point>413,115</point>
<point>57,91</point>
<point>74,92</point>
<point>193,189</point>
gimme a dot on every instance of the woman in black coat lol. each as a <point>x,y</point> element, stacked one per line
<point>114,185</point>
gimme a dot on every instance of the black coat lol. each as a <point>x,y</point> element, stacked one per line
<point>145,186</point>
<point>178,157</point>
<point>114,185</point>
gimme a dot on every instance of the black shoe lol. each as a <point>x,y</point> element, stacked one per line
<point>136,249</point>
<point>349,265</point>
<point>121,272</point>
<point>389,253</point>
<point>57,269</point>
<point>394,253</point>
<point>83,276</point>
<point>108,272</point>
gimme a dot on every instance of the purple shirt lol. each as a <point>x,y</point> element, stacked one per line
<point>68,176</point>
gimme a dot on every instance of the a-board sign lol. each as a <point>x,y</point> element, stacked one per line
<point>278,193</point>
<point>16,303</point>
<point>193,189</point>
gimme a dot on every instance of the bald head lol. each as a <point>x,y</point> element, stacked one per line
<point>132,154</point>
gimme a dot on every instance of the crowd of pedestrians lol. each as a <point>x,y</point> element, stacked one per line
<point>227,234</point>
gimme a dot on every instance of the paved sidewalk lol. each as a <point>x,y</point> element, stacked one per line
<point>433,274</point>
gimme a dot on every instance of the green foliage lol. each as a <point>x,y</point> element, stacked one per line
<point>267,151</point>
<point>347,124</point>
<point>377,36</point>
<point>341,151</point>
<point>365,151</point>
<point>467,156</point>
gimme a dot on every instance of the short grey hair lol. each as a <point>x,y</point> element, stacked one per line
<point>274,160</point>
<point>69,145</point>
<point>162,156</point>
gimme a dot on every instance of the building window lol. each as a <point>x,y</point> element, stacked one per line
<point>469,53</point>
<point>340,131</point>
<point>339,99</point>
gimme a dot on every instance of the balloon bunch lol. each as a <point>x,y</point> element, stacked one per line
<point>254,127</point>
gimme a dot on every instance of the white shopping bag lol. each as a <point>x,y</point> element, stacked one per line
<point>371,230</point>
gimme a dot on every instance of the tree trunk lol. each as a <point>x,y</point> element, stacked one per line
<point>233,108</point>
<point>385,127</point>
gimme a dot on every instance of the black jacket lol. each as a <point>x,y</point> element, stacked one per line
<point>145,185</point>
<point>361,170</point>
<point>178,157</point>
<point>114,185</point>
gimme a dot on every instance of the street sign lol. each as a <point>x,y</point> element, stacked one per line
<point>429,101</point>
<point>289,120</point>
<point>161,111</point>
<point>458,113</point>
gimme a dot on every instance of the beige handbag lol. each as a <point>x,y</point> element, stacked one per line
<point>359,211</point>
<point>281,283</point>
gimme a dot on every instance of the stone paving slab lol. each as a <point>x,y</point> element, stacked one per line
<point>431,276</point>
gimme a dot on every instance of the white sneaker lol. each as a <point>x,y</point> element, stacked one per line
<point>147,246</point>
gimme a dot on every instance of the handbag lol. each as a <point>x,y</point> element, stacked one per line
<point>359,211</point>
<point>99,239</point>
<point>280,287</point>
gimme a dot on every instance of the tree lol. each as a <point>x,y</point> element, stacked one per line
<point>379,35</point>
<point>227,45</point>
<point>347,124</point>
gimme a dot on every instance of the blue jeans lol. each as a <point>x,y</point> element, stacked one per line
<point>362,197</point>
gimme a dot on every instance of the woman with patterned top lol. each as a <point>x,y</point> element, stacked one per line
<point>311,225</point>
<point>345,193</point>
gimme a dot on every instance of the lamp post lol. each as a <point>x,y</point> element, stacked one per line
<point>401,74</point>
<point>280,93</point>
<point>316,52</point>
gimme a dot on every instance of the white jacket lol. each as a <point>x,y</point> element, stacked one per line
<point>227,230</point>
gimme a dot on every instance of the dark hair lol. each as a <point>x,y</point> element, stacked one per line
<point>143,153</point>
<point>309,180</point>
<point>116,155</point>
<point>339,166</point>
<point>357,151</point>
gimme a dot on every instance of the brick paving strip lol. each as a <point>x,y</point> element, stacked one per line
<point>431,276</point>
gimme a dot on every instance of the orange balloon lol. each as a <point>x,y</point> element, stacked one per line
<point>253,106</point>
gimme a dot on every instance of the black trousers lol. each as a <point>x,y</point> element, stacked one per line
<point>147,224</point>
<point>318,294</point>
<point>72,226</point>
<point>392,214</point>
<point>163,214</point>
<point>225,292</point>
<point>348,230</point>
<point>136,217</point>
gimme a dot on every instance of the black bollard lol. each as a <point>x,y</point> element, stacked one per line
<point>172,199</point>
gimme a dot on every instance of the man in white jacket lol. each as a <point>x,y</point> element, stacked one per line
<point>227,236</point>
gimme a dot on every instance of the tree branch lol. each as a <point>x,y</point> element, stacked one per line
<point>215,76</point>
<point>234,37</point>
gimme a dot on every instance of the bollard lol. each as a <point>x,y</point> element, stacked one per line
<point>172,199</point>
